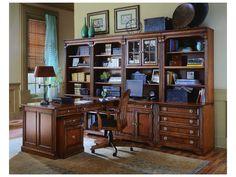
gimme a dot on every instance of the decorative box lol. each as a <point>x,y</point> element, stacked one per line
<point>157,24</point>
<point>139,76</point>
<point>177,95</point>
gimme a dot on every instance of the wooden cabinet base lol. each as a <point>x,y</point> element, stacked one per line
<point>39,152</point>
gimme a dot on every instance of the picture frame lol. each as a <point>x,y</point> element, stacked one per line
<point>127,19</point>
<point>155,76</point>
<point>100,20</point>
<point>75,62</point>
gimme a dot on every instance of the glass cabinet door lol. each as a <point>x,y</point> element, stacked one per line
<point>149,52</point>
<point>134,54</point>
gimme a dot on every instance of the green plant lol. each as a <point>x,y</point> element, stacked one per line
<point>105,75</point>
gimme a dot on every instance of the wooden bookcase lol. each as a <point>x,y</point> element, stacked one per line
<point>183,60</point>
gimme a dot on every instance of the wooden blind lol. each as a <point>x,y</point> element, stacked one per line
<point>36,43</point>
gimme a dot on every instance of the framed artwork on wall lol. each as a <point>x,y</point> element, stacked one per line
<point>100,21</point>
<point>127,19</point>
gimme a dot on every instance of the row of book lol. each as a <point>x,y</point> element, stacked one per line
<point>80,77</point>
<point>171,77</point>
<point>173,45</point>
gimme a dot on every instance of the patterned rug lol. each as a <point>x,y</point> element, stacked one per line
<point>140,161</point>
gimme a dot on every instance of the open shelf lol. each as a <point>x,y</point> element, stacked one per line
<point>197,85</point>
<point>190,52</point>
<point>184,67</point>
<point>117,68</point>
<point>73,56</point>
<point>107,83</point>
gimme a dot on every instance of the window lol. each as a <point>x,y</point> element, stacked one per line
<point>35,53</point>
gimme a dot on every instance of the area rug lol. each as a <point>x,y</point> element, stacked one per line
<point>139,161</point>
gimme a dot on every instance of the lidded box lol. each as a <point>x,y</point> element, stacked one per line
<point>157,24</point>
<point>139,76</point>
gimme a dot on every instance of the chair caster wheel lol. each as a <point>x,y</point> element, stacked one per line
<point>131,149</point>
<point>93,151</point>
<point>114,154</point>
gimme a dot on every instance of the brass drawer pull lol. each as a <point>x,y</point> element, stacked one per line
<point>165,118</point>
<point>73,136</point>
<point>165,138</point>
<point>191,142</point>
<point>165,128</point>
<point>191,111</point>
<point>191,121</point>
<point>191,132</point>
<point>68,110</point>
<point>73,120</point>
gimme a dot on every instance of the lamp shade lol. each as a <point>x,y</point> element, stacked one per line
<point>44,71</point>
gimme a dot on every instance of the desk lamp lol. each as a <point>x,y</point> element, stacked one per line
<point>44,71</point>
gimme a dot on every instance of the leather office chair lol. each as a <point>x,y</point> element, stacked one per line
<point>112,120</point>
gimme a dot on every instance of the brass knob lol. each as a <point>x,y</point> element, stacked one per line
<point>68,110</point>
<point>165,138</point>
<point>73,136</point>
<point>190,111</point>
<point>165,128</point>
<point>165,118</point>
<point>190,121</point>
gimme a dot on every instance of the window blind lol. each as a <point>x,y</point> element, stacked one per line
<point>36,43</point>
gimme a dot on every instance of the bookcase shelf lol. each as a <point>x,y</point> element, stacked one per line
<point>190,52</point>
<point>104,68</point>
<point>197,85</point>
<point>79,82</point>
<point>184,67</point>
<point>107,83</point>
<point>74,56</point>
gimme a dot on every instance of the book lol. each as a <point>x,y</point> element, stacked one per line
<point>74,77</point>
<point>81,76</point>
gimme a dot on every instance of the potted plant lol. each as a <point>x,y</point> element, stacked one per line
<point>105,76</point>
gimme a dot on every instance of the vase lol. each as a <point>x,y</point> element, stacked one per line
<point>91,30</point>
<point>84,30</point>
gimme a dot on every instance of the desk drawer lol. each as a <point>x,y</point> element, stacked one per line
<point>73,120</point>
<point>189,111</point>
<point>180,120</point>
<point>178,142</point>
<point>189,131</point>
<point>140,106</point>
<point>66,111</point>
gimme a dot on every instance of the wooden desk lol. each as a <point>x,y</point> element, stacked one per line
<point>55,131</point>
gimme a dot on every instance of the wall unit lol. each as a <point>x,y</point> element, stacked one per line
<point>183,84</point>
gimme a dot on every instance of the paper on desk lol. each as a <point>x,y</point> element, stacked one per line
<point>82,101</point>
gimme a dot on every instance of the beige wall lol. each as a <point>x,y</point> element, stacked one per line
<point>216,19</point>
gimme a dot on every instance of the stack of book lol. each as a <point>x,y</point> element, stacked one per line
<point>195,62</point>
<point>77,89</point>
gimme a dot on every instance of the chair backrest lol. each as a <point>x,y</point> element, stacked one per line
<point>123,105</point>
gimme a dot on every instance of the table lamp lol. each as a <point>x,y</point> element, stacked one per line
<point>44,71</point>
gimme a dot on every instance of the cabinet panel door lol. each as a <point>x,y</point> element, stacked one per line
<point>129,129</point>
<point>134,52</point>
<point>144,125</point>
<point>45,130</point>
<point>30,134</point>
<point>73,136</point>
<point>149,51</point>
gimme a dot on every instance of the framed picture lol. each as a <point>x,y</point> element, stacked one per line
<point>127,19</point>
<point>75,62</point>
<point>155,76</point>
<point>100,21</point>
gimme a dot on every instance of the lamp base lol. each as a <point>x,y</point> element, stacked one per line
<point>44,103</point>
